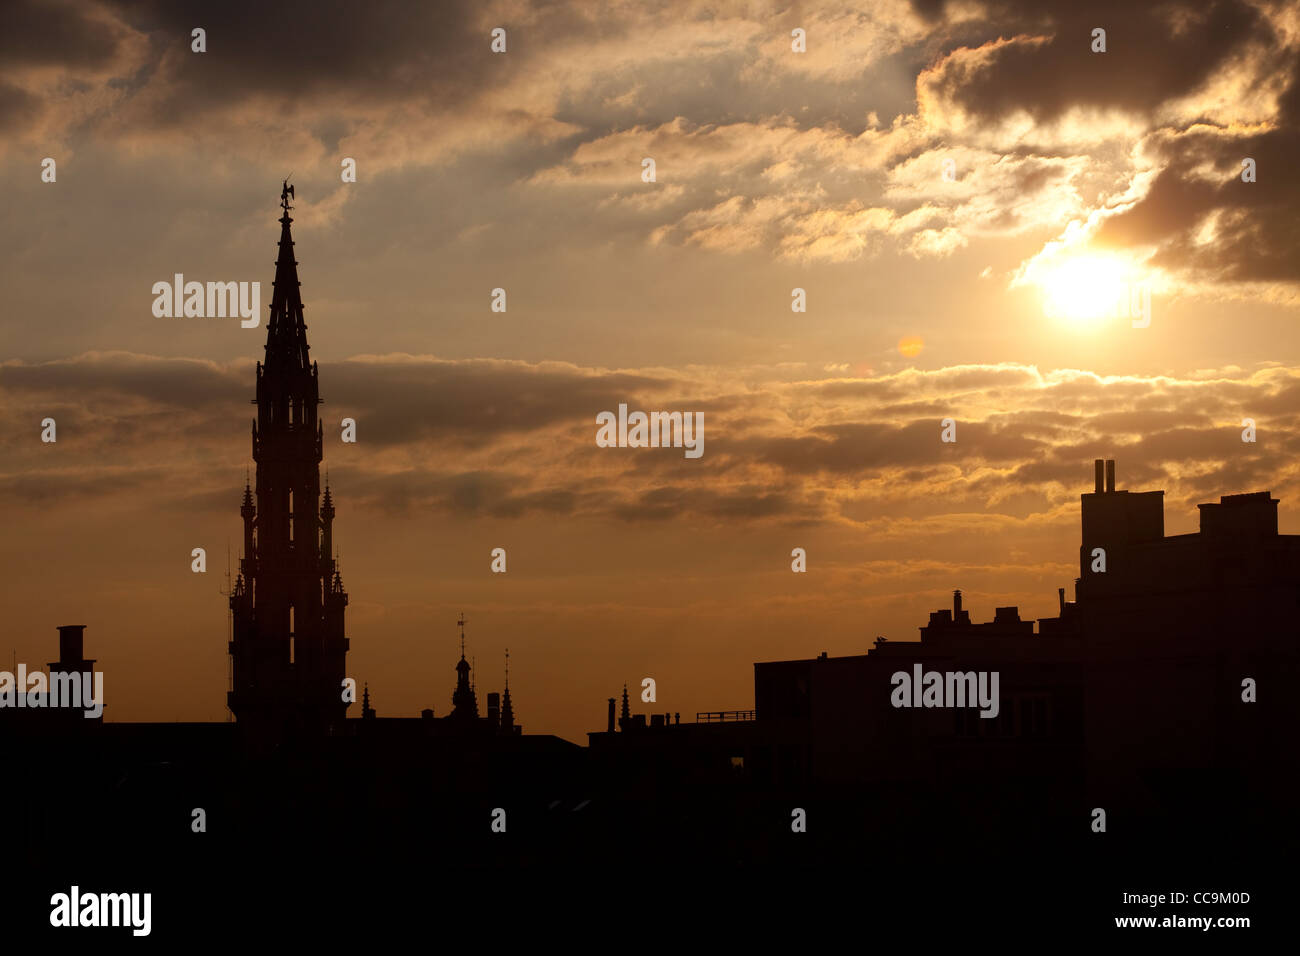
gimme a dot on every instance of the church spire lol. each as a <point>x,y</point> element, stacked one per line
<point>286,332</point>
<point>507,710</point>
<point>288,644</point>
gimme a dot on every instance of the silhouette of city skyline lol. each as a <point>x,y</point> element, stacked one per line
<point>1130,699</point>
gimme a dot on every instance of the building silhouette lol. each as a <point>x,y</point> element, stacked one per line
<point>288,648</point>
<point>1132,698</point>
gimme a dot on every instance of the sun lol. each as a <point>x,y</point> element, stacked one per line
<point>1084,289</point>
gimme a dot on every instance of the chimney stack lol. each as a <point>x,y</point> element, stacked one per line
<point>1060,595</point>
<point>609,727</point>
<point>1110,475</point>
<point>71,643</point>
<point>1098,467</point>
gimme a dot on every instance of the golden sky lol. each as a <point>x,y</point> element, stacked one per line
<point>962,190</point>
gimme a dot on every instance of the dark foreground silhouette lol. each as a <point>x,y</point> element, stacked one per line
<point>1163,696</point>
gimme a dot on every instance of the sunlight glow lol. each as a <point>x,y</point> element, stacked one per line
<point>1084,289</point>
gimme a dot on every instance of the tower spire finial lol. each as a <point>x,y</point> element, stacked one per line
<point>462,623</point>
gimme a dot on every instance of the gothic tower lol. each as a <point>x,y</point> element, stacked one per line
<point>288,650</point>
<point>464,702</point>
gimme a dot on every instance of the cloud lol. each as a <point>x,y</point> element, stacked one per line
<point>759,149</point>
<point>509,440</point>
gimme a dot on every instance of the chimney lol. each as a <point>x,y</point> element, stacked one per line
<point>1110,475</point>
<point>956,604</point>
<point>1060,596</point>
<point>71,643</point>
<point>1098,467</point>
<point>609,727</point>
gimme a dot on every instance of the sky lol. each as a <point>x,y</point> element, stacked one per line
<point>970,195</point>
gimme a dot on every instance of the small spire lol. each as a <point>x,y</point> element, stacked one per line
<point>507,708</point>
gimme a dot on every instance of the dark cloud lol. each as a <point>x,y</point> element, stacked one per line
<point>863,448</point>
<point>17,107</point>
<point>56,32</point>
<point>741,503</point>
<point>298,49</point>
<point>475,402</point>
<point>1255,235</point>
<point>510,440</point>
<point>1154,53</point>
<point>473,494</point>
<point>179,383</point>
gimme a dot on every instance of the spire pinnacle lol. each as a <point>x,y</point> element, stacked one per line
<point>286,332</point>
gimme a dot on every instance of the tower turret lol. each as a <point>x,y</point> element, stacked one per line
<point>464,704</point>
